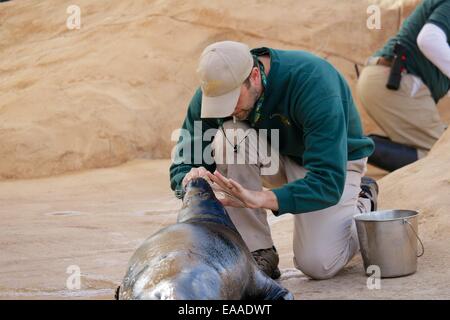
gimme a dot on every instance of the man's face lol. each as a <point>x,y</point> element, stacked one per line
<point>247,99</point>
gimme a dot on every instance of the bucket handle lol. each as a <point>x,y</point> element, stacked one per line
<point>415,233</point>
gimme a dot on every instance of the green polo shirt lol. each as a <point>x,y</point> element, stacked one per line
<point>311,105</point>
<point>429,11</point>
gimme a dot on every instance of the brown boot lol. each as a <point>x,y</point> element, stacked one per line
<point>267,261</point>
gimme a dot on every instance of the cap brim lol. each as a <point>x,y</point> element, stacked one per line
<point>221,106</point>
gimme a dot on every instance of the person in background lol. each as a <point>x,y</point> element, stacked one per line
<point>408,115</point>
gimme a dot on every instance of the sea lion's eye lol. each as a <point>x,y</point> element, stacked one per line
<point>204,195</point>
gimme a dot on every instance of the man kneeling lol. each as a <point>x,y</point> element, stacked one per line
<point>316,166</point>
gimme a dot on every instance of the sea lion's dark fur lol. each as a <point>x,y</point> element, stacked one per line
<point>202,256</point>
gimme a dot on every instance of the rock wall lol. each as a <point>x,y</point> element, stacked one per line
<point>116,88</point>
<point>423,186</point>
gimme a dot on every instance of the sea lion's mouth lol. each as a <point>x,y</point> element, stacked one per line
<point>200,184</point>
<point>198,195</point>
<point>198,188</point>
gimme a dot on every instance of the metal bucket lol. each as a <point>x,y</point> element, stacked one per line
<point>388,239</point>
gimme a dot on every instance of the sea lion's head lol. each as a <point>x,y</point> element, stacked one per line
<point>200,202</point>
<point>198,190</point>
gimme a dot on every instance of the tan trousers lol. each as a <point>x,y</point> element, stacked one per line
<point>408,115</point>
<point>324,240</point>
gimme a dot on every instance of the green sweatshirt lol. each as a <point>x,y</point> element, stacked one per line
<point>429,11</point>
<point>311,105</point>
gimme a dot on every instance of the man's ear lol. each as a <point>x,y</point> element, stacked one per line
<point>255,75</point>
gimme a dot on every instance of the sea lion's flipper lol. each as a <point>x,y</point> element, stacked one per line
<point>268,289</point>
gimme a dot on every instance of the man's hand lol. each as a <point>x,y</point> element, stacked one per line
<point>247,198</point>
<point>194,173</point>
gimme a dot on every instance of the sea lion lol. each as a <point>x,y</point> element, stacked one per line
<point>200,257</point>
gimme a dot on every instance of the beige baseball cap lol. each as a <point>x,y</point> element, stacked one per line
<point>223,68</point>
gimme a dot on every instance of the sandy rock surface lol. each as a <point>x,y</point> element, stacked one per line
<point>96,219</point>
<point>115,89</point>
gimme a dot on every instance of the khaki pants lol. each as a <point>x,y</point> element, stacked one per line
<point>408,116</point>
<point>324,240</point>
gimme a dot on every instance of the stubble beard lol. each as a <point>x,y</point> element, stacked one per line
<point>246,112</point>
